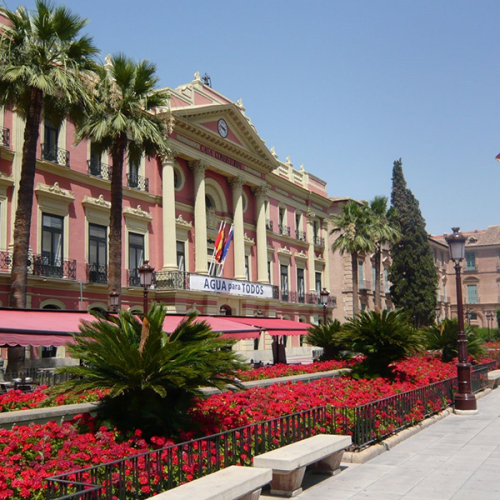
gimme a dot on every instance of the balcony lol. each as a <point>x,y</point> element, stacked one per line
<point>300,235</point>
<point>365,285</point>
<point>138,182</point>
<point>41,265</point>
<point>133,277</point>
<point>283,230</point>
<point>97,274</point>
<point>4,137</point>
<point>269,225</point>
<point>55,155</point>
<point>319,242</point>
<point>315,299</point>
<point>98,169</point>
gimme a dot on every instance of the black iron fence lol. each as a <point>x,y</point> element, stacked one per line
<point>97,273</point>
<point>138,182</point>
<point>43,265</point>
<point>319,242</point>
<point>38,376</point>
<point>55,155</point>
<point>283,230</point>
<point>99,169</point>
<point>269,224</point>
<point>142,475</point>
<point>300,235</point>
<point>5,137</point>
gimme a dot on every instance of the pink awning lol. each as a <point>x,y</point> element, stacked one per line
<point>275,326</point>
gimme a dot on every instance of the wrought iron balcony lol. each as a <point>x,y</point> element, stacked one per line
<point>138,182</point>
<point>134,278</point>
<point>99,169</point>
<point>5,137</point>
<point>315,298</point>
<point>42,265</point>
<point>319,242</point>
<point>171,280</point>
<point>55,155</point>
<point>300,235</point>
<point>283,230</point>
<point>284,295</point>
<point>269,224</point>
<point>97,274</point>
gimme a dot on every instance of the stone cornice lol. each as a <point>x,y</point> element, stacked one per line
<point>248,240</point>
<point>180,222</point>
<point>300,256</point>
<point>285,251</point>
<point>97,203</point>
<point>137,213</point>
<point>6,180</point>
<point>54,192</point>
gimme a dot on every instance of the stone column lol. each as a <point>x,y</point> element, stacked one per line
<point>238,237</point>
<point>200,217</point>
<point>311,216</point>
<point>326,256</point>
<point>261,240</point>
<point>168,211</point>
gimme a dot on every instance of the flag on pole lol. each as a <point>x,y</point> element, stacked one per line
<point>219,243</point>
<point>497,157</point>
<point>227,243</point>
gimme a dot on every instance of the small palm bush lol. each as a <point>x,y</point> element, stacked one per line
<point>444,337</point>
<point>153,377</point>
<point>384,337</point>
<point>328,337</point>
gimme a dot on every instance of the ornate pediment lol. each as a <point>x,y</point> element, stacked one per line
<point>137,213</point>
<point>180,222</point>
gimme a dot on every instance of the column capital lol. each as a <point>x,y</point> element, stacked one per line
<point>198,167</point>
<point>262,191</point>
<point>169,156</point>
<point>311,216</point>
<point>236,182</point>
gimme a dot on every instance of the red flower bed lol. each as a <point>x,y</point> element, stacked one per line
<point>277,371</point>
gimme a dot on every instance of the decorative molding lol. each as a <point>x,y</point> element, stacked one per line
<point>96,202</point>
<point>198,167</point>
<point>300,255</point>
<point>169,156</point>
<point>248,240</point>
<point>311,216</point>
<point>54,192</point>
<point>285,251</point>
<point>6,180</point>
<point>262,191</point>
<point>137,213</point>
<point>236,182</point>
<point>179,221</point>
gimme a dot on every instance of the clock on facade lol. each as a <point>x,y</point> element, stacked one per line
<point>222,127</point>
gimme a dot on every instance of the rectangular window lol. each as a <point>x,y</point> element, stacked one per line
<point>434,251</point>
<point>134,174</point>
<point>98,254</point>
<point>281,220</point>
<point>361,275</point>
<point>284,281</point>
<point>301,288</point>
<point>135,257</point>
<point>297,222</point>
<point>374,276</point>
<point>49,352</point>
<point>317,282</point>
<point>256,344</point>
<point>470,261</point>
<point>212,264</point>
<point>247,268</point>
<point>442,258</point>
<point>181,256</point>
<point>386,281</point>
<point>472,294</point>
<point>315,231</point>
<point>52,246</point>
<point>269,271</point>
<point>50,135</point>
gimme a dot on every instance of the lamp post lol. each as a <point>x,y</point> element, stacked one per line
<point>114,299</point>
<point>438,313</point>
<point>465,401</point>
<point>324,294</point>
<point>146,279</point>
<point>468,314</point>
<point>489,319</point>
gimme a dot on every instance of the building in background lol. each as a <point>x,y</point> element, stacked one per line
<point>446,282</point>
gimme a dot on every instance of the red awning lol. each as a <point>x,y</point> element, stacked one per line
<point>275,326</point>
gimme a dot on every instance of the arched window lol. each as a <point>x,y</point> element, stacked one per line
<point>225,310</point>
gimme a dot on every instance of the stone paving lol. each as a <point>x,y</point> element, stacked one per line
<point>457,458</point>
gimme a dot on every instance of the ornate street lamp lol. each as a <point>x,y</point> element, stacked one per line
<point>146,279</point>
<point>324,294</point>
<point>114,299</point>
<point>465,401</point>
<point>468,314</point>
<point>489,319</point>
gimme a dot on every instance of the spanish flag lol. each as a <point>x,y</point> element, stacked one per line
<point>219,243</point>
<point>497,157</point>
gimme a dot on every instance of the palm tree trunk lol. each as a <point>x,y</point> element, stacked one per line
<point>115,223</point>
<point>378,265</point>
<point>355,283</point>
<point>22,223</point>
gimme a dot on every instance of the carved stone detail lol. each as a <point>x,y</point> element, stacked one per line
<point>248,240</point>
<point>236,182</point>
<point>198,168</point>
<point>285,251</point>
<point>184,223</point>
<point>100,202</point>
<point>300,255</point>
<point>137,212</point>
<point>262,191</point>
<point>55,190</point>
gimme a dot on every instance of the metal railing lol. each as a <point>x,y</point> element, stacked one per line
<point>283,230</point>
<point>269,224</point>
<point>138,182</point>
<point>319,242</point>
<point>97,274</point>
<point>133,277</point>
<point>5,137</point>
<point>300,235</point>
<point>171,280</point>
<point>99,169</point>
<point>55,155</point>
<point>167,467</point>
<point>41,265</point>
<point>40,376</point>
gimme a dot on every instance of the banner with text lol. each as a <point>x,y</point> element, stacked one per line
<point>229,287</point>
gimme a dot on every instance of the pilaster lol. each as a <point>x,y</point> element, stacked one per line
<point>261,197</point>
<point>168,211</point>
<point>239,242</point>
<point>311,216</point>
<point>200,217</point>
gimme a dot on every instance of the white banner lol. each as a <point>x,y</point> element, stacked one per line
<point>229,287</point>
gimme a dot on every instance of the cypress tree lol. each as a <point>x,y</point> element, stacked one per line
<point>413,272</point>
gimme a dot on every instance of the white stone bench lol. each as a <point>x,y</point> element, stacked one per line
<point>233,483</point>
<point>289,462</point>
<point>493,378</point>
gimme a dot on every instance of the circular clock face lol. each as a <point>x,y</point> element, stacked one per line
<point>222,127</point>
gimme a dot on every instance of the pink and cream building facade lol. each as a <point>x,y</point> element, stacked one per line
<point>219,169</point>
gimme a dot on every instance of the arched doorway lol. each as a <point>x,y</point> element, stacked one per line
<point>225,310</point>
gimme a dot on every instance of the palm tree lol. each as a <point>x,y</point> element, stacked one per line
<point>120,122</point>
<point>42,57</point>
<point>382,231</point>
<point>152,377</point>
<point>352,227</point>
<point>326,336</point>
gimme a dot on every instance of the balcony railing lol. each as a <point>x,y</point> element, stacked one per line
<point>269,224</point>
<point>283,230</point>
<point>42,265</point>
<point>284,295</point>
<point>138,182</point>
<point>5,137</point>
<point>315,298</point>
<point>97,274</point>
<point>365,285</point>
<point>98,169</point>
<point>300,235</point>
<point>319,242</point>
<point>55,155</point>
<point>133,277</point>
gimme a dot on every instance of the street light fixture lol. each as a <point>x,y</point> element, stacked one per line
<point>465,401</point>
<point>468,314</point>
<point>489,319</point>
<point>114,299</point>
<point>324,294</point>
<point>146,280</point>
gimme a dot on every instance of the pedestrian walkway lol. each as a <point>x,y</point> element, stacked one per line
<point>457,458</point>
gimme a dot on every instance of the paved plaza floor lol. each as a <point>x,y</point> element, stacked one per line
<point>457,458</point>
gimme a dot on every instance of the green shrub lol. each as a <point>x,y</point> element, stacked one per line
<point>328,337</point>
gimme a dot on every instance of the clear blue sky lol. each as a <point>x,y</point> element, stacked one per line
<point>344,87</point>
